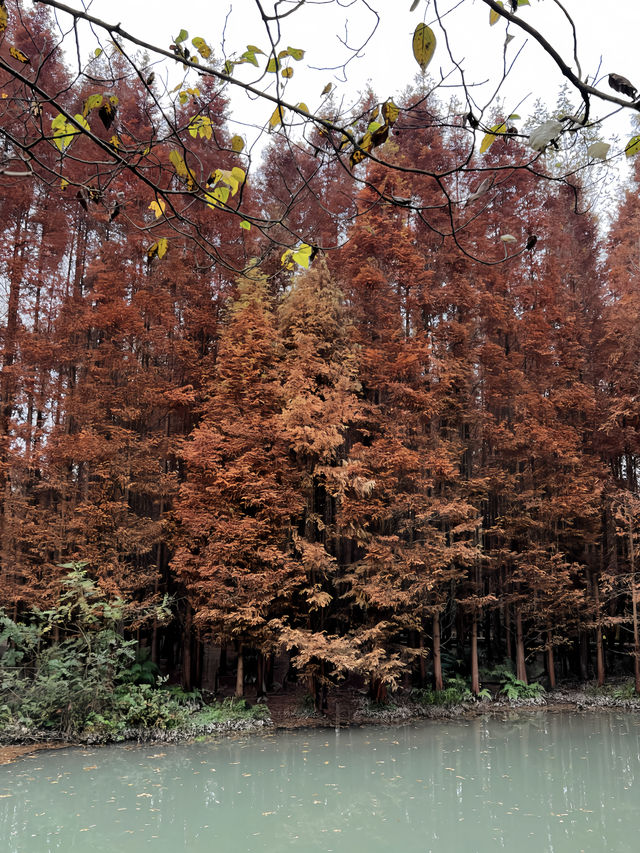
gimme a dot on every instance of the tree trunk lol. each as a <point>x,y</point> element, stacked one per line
<point>599,646</point>
<point>584,656</point>
<point>437,656</point>
<point>521,669</point>
<point>475,677</point>
<point>507,633</point>
<point>551,667</point>
<point>634,605</point>
<point>240,673</point>
<point>423,667</point>
<point>187,682</point>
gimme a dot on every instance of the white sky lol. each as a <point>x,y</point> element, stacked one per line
<point>607,38</point>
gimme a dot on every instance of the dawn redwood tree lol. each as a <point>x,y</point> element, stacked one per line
<point>412,525</point>
<point>238,507</point>
<point>321,409</point>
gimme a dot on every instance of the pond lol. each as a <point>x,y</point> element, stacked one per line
<point>531,782</point>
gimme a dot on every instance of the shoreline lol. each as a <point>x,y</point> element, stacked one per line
<point>16,745</point>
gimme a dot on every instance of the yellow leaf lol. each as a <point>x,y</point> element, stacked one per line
<point>327,89</point>
<point>181,168</point>
<point>4,18</point>
<point>303,255</point>
<point>19,55</point>
<point>489,138</point>
<point>163,245</point>
<point>390,112</point>
<point>115,141</point>
<point>246,225</point>
<point>200,126</point>
<point>63,132</point>
<point>64,183</point>
<point>178,163</point>
<point>91,103</point>
<point>494,17</point>
<point>158,207</point>
<point>287,73</point>
<point>295,53</point>
<point>218,197</point>
<point>273,65</point>
<point>82,122</point>
<point>237,144</point>
<point>302,106</point>
<point>424,45</point>
<point>202,47</point>
<point>277,117</point>
<point>286,261</point>
<point>239,174</point>
<point>633,146</point>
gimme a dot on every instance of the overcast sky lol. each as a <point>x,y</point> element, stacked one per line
<point>607,40</point>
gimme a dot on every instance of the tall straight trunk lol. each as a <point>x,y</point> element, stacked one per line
<point>599,645</point>
<point>475,676</point>
<point>507,633</point>
<point>240,673</point>
<point>187,681</point>
<point>7,392</point>
<point>634,605</point>
<point>423,668</point>
<point>437,654</point>
<point>551,667</point>
<point>521,669</point>
<point>584,656</point>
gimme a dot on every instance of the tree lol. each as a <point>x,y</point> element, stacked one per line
<point>238,507</point>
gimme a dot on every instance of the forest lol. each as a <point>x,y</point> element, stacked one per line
<point>396,452</point>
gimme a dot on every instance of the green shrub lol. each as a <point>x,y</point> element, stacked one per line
<point>229,709</point>
<point>515,689</point>
<point>625,691</point>
<point>454,692</point>
<point>67,685</point>
<point>142,671</point>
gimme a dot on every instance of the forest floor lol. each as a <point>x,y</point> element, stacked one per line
<point>292,709</point>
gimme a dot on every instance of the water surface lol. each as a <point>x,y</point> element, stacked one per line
<point>534,782</point>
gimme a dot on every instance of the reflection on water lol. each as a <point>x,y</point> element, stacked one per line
<point>534,782</point>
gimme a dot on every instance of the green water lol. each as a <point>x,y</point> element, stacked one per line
<point>533,782</point>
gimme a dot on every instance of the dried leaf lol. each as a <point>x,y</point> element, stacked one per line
<point>542,135</point>
<point>19,55</point>
<point>599,150</point>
